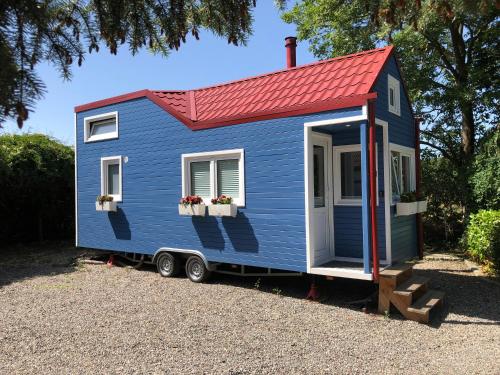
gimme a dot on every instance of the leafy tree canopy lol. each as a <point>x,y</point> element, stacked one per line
<point>63,31</point>
<point>37,188</point>
<point>449,52</point>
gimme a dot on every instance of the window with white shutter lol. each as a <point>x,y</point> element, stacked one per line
<point>212,174</point>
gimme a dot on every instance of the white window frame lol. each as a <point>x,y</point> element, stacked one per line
<point>105,161</point>
<point>213,157</point>
<point>394,84</point>
<point>87,121</point>
<point>337,177</point>
<point>403,151</point>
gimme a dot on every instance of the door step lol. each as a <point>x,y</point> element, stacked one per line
<point>412,289</point>
<point>408,293</point>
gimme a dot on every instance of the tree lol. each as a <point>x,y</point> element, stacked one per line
<point>485,178</point>
<point>62,31</point>
<point>449,53</point>
<point>37,185</point>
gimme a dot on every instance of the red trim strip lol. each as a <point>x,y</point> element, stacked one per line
<point>327,105</point>
<point>112,100</point>
<point>373,187</point>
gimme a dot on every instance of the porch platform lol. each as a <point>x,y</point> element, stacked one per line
<point>350,270</point>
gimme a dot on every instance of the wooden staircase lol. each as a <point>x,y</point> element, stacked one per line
<point>407,292</point>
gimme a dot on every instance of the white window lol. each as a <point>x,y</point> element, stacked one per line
<point>111,177</point>
<point>347,174</point>
<point>393,95</point>
<point>100,127</point>
<point>211,174</point>
<point>402,170</point>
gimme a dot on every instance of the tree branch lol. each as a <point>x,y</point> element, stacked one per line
<point>439,48</point>
<point>438,148</point>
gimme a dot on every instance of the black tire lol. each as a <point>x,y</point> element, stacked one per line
<point>196,269</point>
<point>167,265</point>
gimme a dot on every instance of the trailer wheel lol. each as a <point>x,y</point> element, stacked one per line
<point>196,269</point>
<point>167,265</point>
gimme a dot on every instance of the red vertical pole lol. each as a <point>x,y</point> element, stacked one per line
<point>418,177</point>
<point>373,187</point>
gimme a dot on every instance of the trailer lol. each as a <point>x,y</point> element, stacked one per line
<point>315,159</point>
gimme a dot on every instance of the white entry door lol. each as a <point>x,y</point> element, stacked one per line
<point>322,210</point>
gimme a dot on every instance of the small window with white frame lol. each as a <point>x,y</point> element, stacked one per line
<point>393,95</point>
<point>402,170</point>
<point>101,127</point>
<point>111,177</point>
<point>211,174</point>
<point>347,177</point>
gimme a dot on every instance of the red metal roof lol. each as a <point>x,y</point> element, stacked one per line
<point>340,82</point>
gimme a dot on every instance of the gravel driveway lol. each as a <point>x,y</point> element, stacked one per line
<point>59,316</point>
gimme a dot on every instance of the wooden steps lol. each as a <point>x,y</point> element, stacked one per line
<point>408,293</point>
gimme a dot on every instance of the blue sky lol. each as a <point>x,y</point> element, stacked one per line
<point>198,63</point>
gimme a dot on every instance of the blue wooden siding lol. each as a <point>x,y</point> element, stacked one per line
<point>404,236</point>
<point>401,132</point>
<point>268,232</point>
<point>347,221</point>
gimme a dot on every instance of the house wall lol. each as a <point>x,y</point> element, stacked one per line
<point>401,132</point>
<point>268,232</point>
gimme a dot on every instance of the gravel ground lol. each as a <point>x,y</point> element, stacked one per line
<point>58,315</point>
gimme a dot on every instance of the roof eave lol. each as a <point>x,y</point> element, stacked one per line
<point>326,105</point>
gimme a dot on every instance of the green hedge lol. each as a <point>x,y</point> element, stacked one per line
<point>37,189</point>
<point>482,238</point>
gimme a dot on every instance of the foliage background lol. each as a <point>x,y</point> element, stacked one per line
<point>37,189</point>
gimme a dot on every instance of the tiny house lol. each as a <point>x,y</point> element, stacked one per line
<point>314,159</point>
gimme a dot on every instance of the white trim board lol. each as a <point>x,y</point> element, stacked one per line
<point>308,188</point>
<point>341,272</point>
<point>387,189</point>
<point>76,181</point>
<point>341,120</point>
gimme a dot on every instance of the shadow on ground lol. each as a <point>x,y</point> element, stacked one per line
<point>26,261</point>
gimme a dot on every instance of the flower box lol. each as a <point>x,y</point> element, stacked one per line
<point>223,210</point>
<point>406,208</point>
<point>421,206</point>
<point>105,206</point>
<point>192,209</point>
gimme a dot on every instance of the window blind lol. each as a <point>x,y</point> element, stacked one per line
<point>228,178</point>
<point>200,178</point>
